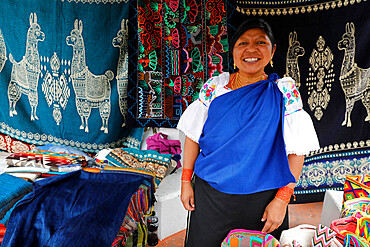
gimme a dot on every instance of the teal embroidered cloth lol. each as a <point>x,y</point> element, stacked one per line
<point>64,73</point>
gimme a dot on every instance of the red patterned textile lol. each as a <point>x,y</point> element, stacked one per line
<point>13,145</point>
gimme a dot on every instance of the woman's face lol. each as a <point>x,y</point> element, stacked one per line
<point>252,52</point>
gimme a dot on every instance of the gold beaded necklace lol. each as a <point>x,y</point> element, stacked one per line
<point>238,83</point>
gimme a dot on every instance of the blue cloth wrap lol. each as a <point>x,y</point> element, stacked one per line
<point>242,145</point>
<point>74,209</point>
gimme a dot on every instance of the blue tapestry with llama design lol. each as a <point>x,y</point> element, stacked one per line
<point>64,72</point>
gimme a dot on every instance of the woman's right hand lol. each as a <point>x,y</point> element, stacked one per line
<point>187,195</point>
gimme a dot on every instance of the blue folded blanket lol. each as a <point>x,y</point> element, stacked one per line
<point>13,190</point>
<point>74,209</point>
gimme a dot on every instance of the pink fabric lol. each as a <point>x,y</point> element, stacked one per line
<point>161,144</point>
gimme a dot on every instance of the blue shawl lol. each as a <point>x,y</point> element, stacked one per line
<point>242,145</point>
<point>74,209</point>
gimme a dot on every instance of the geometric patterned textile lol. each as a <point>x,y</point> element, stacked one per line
<point>241,237</point>
<point>363,227</point>
<point>356,186</point>
<point>323,46</point>
<point>44,159</point>
<point>323,236</point>
<point>64,72</point>
<point>180,45</point>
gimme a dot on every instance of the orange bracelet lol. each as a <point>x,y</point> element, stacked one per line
<point>285,193</point>
<point>187,174</point>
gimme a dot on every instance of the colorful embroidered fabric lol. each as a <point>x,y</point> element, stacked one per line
<point>292,98</point>
<point>241,237</point>
<point>322,237</point>
<point>146,162</point>
<point>174,37</point>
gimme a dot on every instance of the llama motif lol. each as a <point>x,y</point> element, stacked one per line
<point>92,91</point>
<point>294,51</point>
<point>121,41</point>
<point>354,80</point>
<point>3,57</point>
<point>25,74</point>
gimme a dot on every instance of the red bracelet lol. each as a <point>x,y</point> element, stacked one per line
<point>285,193</point>
<point>187,174</point>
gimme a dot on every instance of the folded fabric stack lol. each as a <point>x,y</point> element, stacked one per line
<point>39,163</point>
<point>146,162</point>
<point>13,190</point>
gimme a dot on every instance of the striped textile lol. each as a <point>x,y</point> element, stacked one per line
<point>323,236</point>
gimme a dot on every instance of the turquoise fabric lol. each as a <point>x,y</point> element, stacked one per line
<point>13,189</point>
<point>65,80</point>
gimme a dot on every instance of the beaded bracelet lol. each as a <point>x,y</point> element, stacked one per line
<point>285,193</point>
<point>187,174</point>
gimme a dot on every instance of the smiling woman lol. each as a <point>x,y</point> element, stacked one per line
<point>253,135</point>
<point>252,51</point>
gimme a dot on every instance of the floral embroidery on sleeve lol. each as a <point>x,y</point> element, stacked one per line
<point>207,93</point>
<point>292,97</point>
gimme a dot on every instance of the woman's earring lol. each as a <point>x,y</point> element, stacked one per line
<point>234,66</point>
<point>271,63</point>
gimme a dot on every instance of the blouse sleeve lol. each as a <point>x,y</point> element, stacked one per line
<point>193,118</point>
<point>299,132</point>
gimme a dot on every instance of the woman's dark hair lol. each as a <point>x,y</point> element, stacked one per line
<point>250,24</point>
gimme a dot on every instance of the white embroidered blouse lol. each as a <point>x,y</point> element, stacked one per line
<point>299,132</point>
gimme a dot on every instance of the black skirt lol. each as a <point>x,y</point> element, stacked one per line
<point>217,213</point>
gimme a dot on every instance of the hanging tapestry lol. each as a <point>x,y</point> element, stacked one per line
<point>324,46</point>
<point>176,40</point>
<point>64,72</point>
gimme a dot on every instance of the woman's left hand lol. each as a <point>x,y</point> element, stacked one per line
<point>274,215</point>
